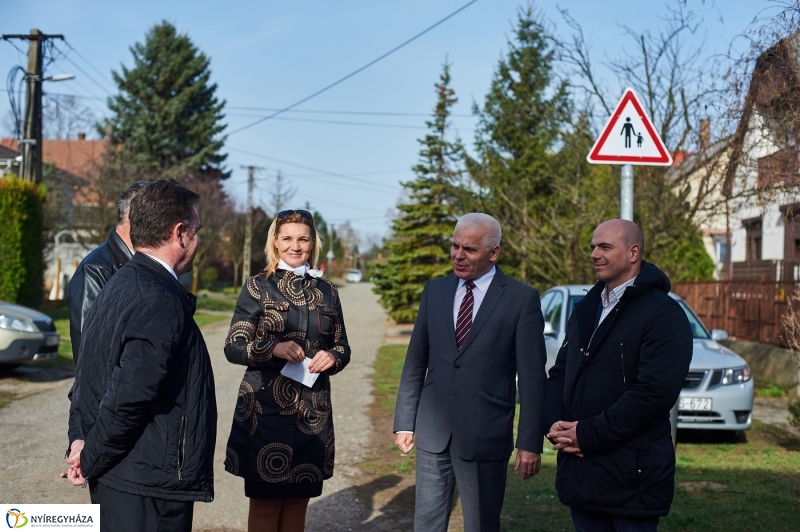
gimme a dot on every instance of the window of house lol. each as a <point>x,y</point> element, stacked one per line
<point>753,228</point>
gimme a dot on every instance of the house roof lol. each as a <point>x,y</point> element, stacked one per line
<point>774,84</point>
<point>77,157</point>
<point>7,153</point>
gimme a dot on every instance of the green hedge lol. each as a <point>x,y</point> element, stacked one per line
<point>21,241</point>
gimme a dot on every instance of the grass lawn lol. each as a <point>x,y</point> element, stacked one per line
<point>207,319</point>
<point>720,484</point>
<point>215,304</point>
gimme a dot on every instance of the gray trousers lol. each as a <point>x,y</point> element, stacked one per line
<point>481,486</point>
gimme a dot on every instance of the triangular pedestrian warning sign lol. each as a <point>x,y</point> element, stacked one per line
<point>629,137</point>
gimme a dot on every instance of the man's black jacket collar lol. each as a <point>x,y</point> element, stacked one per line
<point>119,250</point>
<point>162,273</point>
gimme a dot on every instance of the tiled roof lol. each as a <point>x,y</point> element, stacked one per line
<point>77,157</point>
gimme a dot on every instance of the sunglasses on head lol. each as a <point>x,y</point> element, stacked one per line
<point>288,212</point>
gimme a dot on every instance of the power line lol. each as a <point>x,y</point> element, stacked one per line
<point>357,71</point>
<point>324,172</point>
<point>73,63</point>
<point>321,111</point>
<point>102,76</point>
<point>337,122</point>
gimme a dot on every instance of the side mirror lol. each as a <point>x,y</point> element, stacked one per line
<point>548,329</point>
<point>718,335</point>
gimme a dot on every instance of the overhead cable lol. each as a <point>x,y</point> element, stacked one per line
<point>357,71</point>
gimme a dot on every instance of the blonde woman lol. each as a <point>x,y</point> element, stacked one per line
<point>282,441</point>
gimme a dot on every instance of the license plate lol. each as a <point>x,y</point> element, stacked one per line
<point>694,403</point>
<point>51,340</point>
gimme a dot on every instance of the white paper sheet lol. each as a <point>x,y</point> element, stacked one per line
<point>299,372</point>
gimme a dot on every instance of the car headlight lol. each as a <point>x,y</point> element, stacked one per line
<point>736,375</point>
<point>16,324</point>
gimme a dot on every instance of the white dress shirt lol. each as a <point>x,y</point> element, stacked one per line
<point>478,293</point>
<point>610,298</point>
<point>164,264</point>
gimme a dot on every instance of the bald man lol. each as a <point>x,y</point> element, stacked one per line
<point>618,373</point>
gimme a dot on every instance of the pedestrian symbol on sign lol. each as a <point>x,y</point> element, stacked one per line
<point>627,130</point>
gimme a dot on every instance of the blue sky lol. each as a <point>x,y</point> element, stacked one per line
<point>269,54</point>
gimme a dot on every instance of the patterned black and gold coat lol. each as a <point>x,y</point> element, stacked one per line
<point>283,431</point>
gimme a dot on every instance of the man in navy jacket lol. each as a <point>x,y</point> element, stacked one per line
<point>618,373</point>
<point>144,388</point>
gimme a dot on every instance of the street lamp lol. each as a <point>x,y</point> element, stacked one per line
<point>60,77</point>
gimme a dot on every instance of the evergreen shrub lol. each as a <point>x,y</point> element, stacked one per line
<point>21,241</point>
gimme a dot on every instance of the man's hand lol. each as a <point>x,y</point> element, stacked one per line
<point>73,473</point>
<point>289,351</point>
<point>322,361</point>
<point>528,463</point>
<point>404,441</point>
<point>564,435</point>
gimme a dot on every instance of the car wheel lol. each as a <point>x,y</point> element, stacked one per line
<point>8,368</point>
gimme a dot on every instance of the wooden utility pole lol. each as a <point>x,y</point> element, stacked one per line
<point>248,225</point>
<point>32,142</point>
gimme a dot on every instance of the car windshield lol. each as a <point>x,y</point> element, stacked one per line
<point>699,330</point>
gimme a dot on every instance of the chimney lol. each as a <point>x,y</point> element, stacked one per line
<point>705,134</point>
<point>81,135</point>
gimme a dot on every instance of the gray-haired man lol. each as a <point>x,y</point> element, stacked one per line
<point>474,333</point>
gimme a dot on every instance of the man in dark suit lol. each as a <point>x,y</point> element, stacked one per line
<point>474,333</point>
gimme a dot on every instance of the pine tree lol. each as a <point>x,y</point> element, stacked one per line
<point>522,124</point>
<point>419,249</point>
<point>166,116</point>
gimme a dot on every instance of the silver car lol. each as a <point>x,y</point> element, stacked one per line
<point>25,335</point>
<point>718,390</point>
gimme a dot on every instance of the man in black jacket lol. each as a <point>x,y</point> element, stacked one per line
<point>97,267</point>
<point>144,388</point>
<point>92,274</point>
<point>618,373</point>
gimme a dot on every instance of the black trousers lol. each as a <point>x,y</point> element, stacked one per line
<point>124,512</point>
<point>598,522</point>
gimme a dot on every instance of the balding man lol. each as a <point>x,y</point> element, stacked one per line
<point>620,370</point>
<point>474,333</point>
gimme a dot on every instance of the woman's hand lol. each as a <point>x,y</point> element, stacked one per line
<point>322,361</point>
<point>289,351</point>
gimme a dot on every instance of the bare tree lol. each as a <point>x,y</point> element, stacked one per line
<point>64,117</point>
<point>681,89</point>
<point>281,193</point>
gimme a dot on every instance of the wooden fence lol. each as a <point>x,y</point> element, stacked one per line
<point>747,310</point>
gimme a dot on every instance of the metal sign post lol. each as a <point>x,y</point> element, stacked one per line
<point>626,193</point>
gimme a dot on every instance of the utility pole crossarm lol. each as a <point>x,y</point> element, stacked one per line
<point>31,36</point>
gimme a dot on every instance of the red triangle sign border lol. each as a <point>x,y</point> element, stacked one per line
<point>664,158</point>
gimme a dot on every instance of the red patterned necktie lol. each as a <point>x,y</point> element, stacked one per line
<point>464,321</point>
